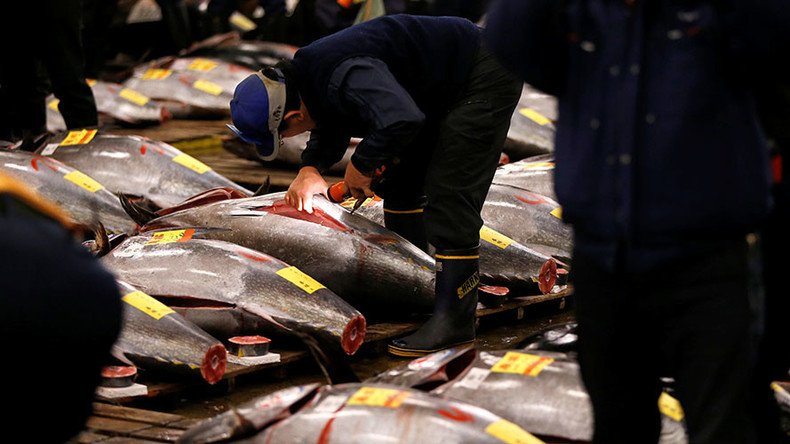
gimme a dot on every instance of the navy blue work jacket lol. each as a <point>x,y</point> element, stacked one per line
<point>658,149</point>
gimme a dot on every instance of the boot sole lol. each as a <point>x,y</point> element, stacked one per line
<point>415,353</point>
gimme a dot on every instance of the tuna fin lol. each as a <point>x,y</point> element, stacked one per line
<point>138,213</point>
<point>118,354</point>
<point>102,241</point>
<point>264,188</point>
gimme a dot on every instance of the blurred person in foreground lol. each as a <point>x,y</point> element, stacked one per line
<point>433,108</point>
<point>60,313</point>
<point>662,170</point>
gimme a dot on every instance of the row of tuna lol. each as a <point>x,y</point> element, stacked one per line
<point>459,395</point>
<point>232,263</point>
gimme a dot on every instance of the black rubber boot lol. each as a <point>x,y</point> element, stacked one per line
<point>453,320</point>
<point>410,224</point>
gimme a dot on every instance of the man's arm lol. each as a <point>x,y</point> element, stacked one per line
<point>365,87</point>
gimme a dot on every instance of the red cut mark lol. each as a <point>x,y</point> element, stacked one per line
<point>532,366</point>
<point>319,217</point>
<point>49,163</point>
<point>118,371</point>
<point>142,149</point>
<point>456,415</point>
<point>776,168</point>
<point>246,340</point>
<point>323,438</point>
<point>495,290</point>
<point>206,197</point>
<point>532,199</point>
<point>255,257</point>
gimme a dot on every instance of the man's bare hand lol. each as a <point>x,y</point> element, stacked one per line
<point>307,184</point>
<point>357,183</point>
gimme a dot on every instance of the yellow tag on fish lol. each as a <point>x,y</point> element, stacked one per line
<point>156,74</point>
<point>521,364</point>
<point>80,137</point>
<point>90,82</point>
<point>534,116</point>
<point>670,406</point>
<point>241,21</point>
<point>203,65</point>
<point>147,305</point>
<point>83,181</point>
<point>539,166</point>
<point>170,236</point>
<point>378,397</point>
<point>191,163</point>
<point>557,212</point>
<point>494,237</point>
<point>134,97</point>
<point>301,280</point>
<point>208,87</point>
<point>53,105</point>
<point>510,433</point>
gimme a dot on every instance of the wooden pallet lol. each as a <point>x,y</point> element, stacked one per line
<point>115,424</point>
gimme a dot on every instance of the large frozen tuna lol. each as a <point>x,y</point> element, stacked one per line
<point>156,337</point>
<point>138,166</point>
<point>534,174</point>
<point>125,105</point>
<point>253,54</point>
<point>84,199</point>
<point>358,413</point>
<point>369,266</point>
<point>531,126</point>
<point>190,86</point>
<point>181,270</point>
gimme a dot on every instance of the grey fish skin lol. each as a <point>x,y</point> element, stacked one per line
<point>249,417</point>
<point>527,218</point>
<point>343,414</point>
<point>540,391</point>
<point>203,91</point>
<point>530,136</point>
<point>502,261</point>
<point>126,107</point>
<point>559,338</point>
<point>250,53</point>
<point>531,175</point>
<point>154,336</point>
<point>142,167</point>
<point>47,177</point>
<point>370,267</point>
<point>225,274</point>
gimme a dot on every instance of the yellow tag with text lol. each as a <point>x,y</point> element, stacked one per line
<point>90,82</point>
<point>53,105</point>
<point>510,433</point>
<point>157,74</point>
<point>134,97</point>
<point>494,237</point>
<point>539,166</point>
<point>241,21</point>
<point>80,137</point>
<point>301,280</point>
<point>83,181</point>
<point>208,87</point>
<point>170,236</point>
<point>147,305</point>
<point>557,212</point>
<point>670,406</point>
<point>534,116</point>
<point>378,397</point>
<point>191,163</point>
<point>521,364</point>
<point>203,65</point>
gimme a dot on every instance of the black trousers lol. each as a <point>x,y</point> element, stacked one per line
<point>696,320</point>
<point>452,161</point>
<point>27,65</point>
<point>60,312</point>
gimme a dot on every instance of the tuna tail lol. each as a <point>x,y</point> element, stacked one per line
<point>332,361</point>
<point>138,213</point>
<point>264,188</point>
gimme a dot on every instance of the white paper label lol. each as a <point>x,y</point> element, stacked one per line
<point>474,378</point>
<point>49,149</point>
<point>331,404</point>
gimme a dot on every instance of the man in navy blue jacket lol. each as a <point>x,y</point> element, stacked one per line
<point>661,169</point>
<point>433,107</point>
